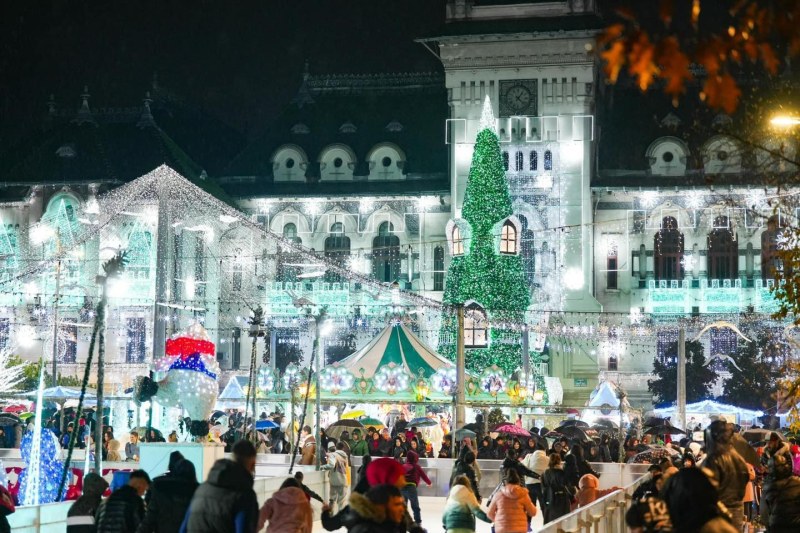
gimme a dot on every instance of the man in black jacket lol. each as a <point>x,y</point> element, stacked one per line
<point>124,509</point>
<point>169,498</point>
<point>227,498</point>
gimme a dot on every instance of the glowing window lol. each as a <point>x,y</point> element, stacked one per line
<point>476,327</point>
<point>458,242</point>
<point>534,161</point>
<point>548,160</point>
<point>508,238</point>
<point>519,166</point>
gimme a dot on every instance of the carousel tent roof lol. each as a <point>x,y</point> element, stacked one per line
<point>395,344</point>
<point>605,394</point>
<point>711,407</point>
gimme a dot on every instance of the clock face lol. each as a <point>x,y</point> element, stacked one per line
<point>518,98</point>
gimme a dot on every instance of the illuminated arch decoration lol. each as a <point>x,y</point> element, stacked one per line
<point>493,380</point>
<point>336,379</point>
<point>444,380</point>
<point>391,379</point>
<point>459,236</point>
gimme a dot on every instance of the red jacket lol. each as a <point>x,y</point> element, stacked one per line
<point>413,471</point>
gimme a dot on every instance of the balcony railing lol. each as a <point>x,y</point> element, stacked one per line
<point>711,296</point>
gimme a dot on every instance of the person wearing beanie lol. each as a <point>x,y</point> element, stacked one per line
<point>776,446</point>
<point>380,471</point>
<point>413,474</point>
<point>80,517</point>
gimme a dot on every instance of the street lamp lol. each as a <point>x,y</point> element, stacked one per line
<point>784,121</point>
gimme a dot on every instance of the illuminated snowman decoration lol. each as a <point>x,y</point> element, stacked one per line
<point>190,372</point>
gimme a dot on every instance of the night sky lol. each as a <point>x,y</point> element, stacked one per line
<point>240,61</point>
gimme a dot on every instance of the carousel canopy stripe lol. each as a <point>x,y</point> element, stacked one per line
<point>710,407</point>
<point>395,344</point>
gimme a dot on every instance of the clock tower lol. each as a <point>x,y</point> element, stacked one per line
<point>536,62</point>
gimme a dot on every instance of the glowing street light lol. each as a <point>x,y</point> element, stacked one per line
<point>785,121</point>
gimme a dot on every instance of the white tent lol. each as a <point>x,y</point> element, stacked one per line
<point>605,401</point>
<point>707,408</point>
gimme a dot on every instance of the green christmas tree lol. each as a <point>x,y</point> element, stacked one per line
<point>754,381</point>
<point>699,377</point>
<point>482,274</point>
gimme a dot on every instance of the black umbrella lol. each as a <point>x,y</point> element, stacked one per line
<point>667,429</point>
<point>571,432</point>
<point>336,429</point>
<point>604,424</point>
<point>573,423</point>
<point>747,452</point>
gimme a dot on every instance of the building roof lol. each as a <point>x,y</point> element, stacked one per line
<point>106,147</point>
<point>582,22</point>
<point>359,111</point>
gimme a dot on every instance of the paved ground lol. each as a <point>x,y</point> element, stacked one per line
<point>432,518</point>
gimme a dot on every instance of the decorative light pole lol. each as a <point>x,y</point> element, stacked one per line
<point>256,330</point>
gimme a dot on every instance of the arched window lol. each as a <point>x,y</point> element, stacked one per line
<point>337,250</point>
<point>508,238</point>
<point>505,161</point>
<point>534,161</point>
<point>668,251</point>
<point>528,250</point>
<point>723,252</point>
<point>438,268</point>
<point>386,254</point>
<point>548,160</point>
<point>771,262</point>
<point>519,166</point>
<point>290,233</point>
<point>476,327</point>
<point>458,241</point>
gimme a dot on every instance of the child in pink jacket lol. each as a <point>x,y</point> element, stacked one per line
<point>511,506</point>
<point>288,511</point>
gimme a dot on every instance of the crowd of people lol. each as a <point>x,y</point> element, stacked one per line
<point>707,488</point>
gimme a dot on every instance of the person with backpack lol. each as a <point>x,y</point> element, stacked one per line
<point>414,473</point>
<point>338,467</point>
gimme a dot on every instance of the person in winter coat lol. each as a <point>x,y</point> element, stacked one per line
<point>374,445</point>
<point>226,500</point>
<point>80,517</point>
<point>511,507</point>
<point>124,509</point>
<point>379,471</point>
<point>413,474</point>
<point>463,467</point>
<point>309,447</point>
<point>337,467</point>
<point>728,467</point>
<point>577,467</point>
<point>381,510</point>
<point>536,462</point>
<point>775,446</point>
<point>604,448</point>
<point>358,447</point>
<point>693,504</point>
<point>512,463</point>
<point>557,490</point>
<point>113,450</point>
<point>287,511</point>
<point>169,498</point>
<point>749,494</point>
<point>461,508</point>
<point>588,490</point>
<point>385,444</point>
<point>781,496</point>
<point>310,494</point>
